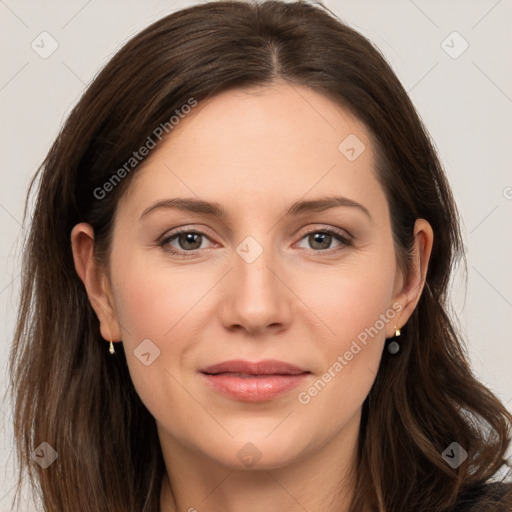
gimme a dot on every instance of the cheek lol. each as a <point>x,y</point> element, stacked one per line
<point>152,301</point>
<point>356,307</point>
<point>159,305</point>
<point>356,296</point>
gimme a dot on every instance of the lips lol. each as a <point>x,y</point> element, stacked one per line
<point>253,381</point>
<point>266,367</point>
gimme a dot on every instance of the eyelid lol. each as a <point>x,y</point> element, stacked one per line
<point>343,233</point>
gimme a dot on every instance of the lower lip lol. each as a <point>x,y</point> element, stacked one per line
<point>253,389</point>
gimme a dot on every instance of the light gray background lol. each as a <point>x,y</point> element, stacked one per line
<point>466,103</point>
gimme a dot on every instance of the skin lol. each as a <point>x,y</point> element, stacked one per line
<point>255,152</point>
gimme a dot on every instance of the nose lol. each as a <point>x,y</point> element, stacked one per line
<point>256,297</point>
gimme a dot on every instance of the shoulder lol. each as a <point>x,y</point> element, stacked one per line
<point>492,497</point>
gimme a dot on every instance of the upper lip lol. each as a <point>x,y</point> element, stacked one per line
<point>266,367</point>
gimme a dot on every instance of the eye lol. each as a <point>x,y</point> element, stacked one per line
<point>320,240</point>
<point>188,241</point>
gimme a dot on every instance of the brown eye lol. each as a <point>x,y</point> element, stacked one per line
<point>189,240</point>
<point>321,240</point>
<point>186,241</point>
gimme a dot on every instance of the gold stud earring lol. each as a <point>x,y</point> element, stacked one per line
<point>111,349</point>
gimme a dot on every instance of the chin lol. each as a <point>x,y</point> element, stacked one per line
<point>258,453</point>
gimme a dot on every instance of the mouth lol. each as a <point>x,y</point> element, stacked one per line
<point>253,381</point>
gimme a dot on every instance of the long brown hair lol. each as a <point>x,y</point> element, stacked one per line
<point>70,393</point>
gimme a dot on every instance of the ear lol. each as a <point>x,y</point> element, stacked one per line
<point>96,281</point>
<point>408,288</point>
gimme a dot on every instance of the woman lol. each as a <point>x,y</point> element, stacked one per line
<point>298,354</point>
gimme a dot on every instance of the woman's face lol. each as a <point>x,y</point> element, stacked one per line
<point>264,281</point>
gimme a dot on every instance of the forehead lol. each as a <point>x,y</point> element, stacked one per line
<point>271,142</point>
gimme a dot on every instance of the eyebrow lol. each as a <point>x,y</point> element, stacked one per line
<point>216,210</point>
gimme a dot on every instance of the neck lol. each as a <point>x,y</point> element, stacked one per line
<point>319,481</point>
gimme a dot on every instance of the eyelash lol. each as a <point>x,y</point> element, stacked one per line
<point>345,241</point>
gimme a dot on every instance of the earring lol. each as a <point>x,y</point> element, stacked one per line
<point>393,345</point>
<point>111,349</point>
